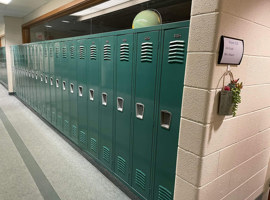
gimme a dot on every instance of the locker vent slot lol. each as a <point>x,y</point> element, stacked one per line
<point>146,52</point>
<point>107,52</point>
<point>140,179</point>
<point>93,52</point>
<point>57,52</point>
<point>82,52</point>
<point>53,117</point>
<point>176,51</point>
<point>51,52</point>
<point>121,165</point>
<point>82,137</point>
<point>164,194</point>
<point>124,52</point>
<point>64,52</point>
<point>72,52</point>
<point>46,52</point>
<point>74,130</point>
<point>64,85</point>
<point>91,94</point>
<point>93,145</point>
<point>106,154</point>
<point>66,126</point>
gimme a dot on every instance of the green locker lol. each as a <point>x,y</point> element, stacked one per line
<point>171,89</point>
<point>29,67</point>
<point>65,87</point>
<point>93,78</point>
<point>124,69</point>
<point>34,81</point>
<point>73,91</point>
<point>107,101</point>
<point>146,72</point>
<point>47,83</point>
<point>82,92</point>
<point>37,78</point>
<point>58,87</point>
<point>52,83</point>
<point>42,84</point>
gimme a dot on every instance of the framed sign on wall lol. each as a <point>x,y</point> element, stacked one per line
<point>231,51</point>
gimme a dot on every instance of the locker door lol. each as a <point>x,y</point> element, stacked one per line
<point>124,68</point>
<point>41,79</point>
<point>73,91</point>
<point>30,74</point>
<point>37,78</point>
<point>93,78</point>
<point>58,86</point>
<point>146,71</point>
<point>65,88</point>
<point>106,104</point>
<point>171,89</point>
<point>34,69</point>
<point>52,83</point>
<point>47,82</point>
<point>82,92</point>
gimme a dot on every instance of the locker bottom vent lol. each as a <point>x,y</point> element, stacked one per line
<point>140,179</point>
<point>74,131</point>
<point>93,145</point>
<point>53,118</point>
<point>164,194</point>
<point>82,137</point>
<point>59,120</point>
<point>121,165</point>
<point>66,126</point>
<point>106,154</point>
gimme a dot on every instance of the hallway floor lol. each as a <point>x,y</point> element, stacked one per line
<point>36,163</point>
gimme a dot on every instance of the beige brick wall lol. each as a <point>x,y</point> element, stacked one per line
<point>225,157</point>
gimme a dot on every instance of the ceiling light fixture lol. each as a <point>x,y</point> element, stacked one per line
<point>99,7</point>
<point>48,26</point>
<point>65,21</point>
<point>97,12</point>
<point>5,1</point>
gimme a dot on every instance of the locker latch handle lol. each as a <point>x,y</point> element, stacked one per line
<point>46,79</point>
<point>91,94</point>
<point>36,76</point>
<point>64,85</point>
<point>139,110</point>
<point>165,119</point>
<point>71,88</point>
<point>120,104</point>
<point>51,81</point>
<point>104,99</point>
<point>80,91</point>
<point>57,83</point>
<point>41,78</point>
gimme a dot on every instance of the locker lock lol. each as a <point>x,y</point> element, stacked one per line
<point>104,99</point>
<point>139,110</point>
<point>120,104</point>
<point>165,119</point>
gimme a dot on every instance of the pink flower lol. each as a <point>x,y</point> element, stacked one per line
<point>227,88</point>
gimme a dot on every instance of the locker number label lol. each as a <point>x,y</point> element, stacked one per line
<point>124,40</point>
<point>147,38</point>
<point>177,35</point>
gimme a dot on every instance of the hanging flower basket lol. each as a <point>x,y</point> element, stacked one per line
<point>230,96</point>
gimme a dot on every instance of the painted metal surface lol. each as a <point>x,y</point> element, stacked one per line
<point>116,95</point>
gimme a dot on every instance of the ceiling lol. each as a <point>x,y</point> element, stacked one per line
<point>19,8</point>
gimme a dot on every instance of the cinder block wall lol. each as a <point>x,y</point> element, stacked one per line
<point>225,157</point>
